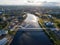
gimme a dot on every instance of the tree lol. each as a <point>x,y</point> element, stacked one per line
<point>58,25</point>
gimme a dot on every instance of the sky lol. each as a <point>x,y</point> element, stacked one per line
<point>25,2</point>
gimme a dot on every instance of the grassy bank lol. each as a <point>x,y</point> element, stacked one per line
<point>50,34</point>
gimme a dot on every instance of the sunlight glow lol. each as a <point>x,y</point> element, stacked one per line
<point>25,2</point>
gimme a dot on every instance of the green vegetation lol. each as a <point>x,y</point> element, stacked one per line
<point>50,34</point>
<point>58,25</point>
<point>56,15</point>
<point>3,25</point>
<point>11,32</point>
<point>57,22</point>
<point>54,38</point>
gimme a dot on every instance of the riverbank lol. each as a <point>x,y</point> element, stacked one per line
<point>50,34</point>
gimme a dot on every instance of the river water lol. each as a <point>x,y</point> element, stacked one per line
<point>31,37</point>
<point>31,21</point>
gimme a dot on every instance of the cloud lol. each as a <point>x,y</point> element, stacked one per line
<point>12,2</point>
<point>25,2</point>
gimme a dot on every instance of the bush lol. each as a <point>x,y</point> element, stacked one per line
<point>58,25</point>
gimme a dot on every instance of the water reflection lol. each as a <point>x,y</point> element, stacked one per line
<point>31,38</point>
<point>31,18</point>
<point>31,21</point>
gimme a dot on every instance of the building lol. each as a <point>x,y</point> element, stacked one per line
<point>50,16</point>
<point>1,13</point>
<point>50,25</point>
<point>3,41</point>
<point>3,32</point>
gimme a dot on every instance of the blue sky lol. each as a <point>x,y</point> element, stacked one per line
<point>24,2</point>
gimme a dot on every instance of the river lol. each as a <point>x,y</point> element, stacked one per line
<point>31,37</point>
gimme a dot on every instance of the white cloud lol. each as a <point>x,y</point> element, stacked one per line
<point>12,2</point>
<point>24,2</point>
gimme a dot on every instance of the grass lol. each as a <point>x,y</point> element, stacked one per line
<point>1,27</point>
<point>50,33</point>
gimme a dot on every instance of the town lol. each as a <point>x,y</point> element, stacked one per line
<point>13,19</point>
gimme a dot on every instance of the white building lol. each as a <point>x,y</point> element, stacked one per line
<point>3,41</point>
<point>2,32</point>
<point>4,18</point>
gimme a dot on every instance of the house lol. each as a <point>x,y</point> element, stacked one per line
<point>3,41</point>
<point>49,24</point>
<point>1,12</point>
<point>3,32</point>
<point>50,16</point>
<point>4,19</point>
